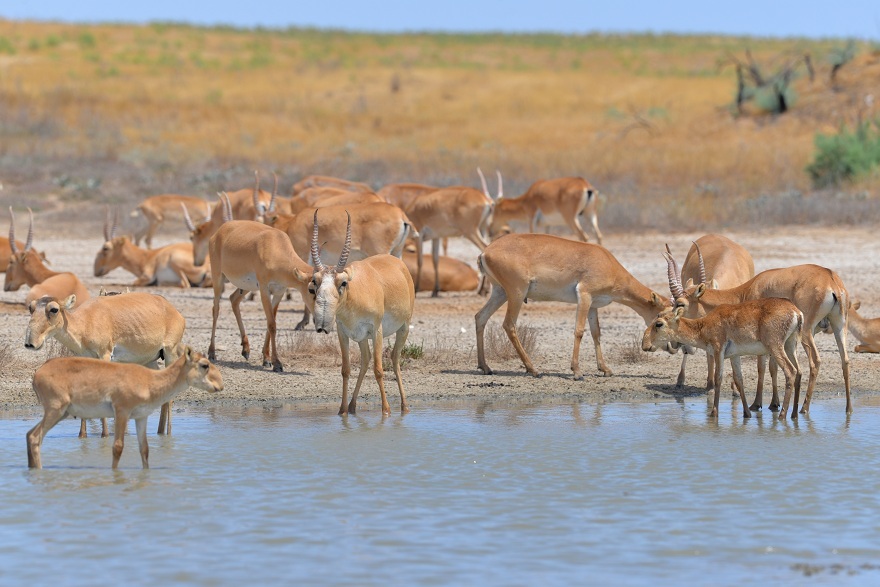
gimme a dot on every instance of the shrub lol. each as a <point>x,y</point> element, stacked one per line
<point>845,156</point>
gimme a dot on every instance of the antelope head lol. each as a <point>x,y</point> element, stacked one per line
<point>47,316</point>
<point>663,331</point>
<point>15,273</point>
<point>200,372</point>
<point>111,248</point>
<point>329,286</point>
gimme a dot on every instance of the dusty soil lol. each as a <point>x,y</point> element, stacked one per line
<point>444,328</point>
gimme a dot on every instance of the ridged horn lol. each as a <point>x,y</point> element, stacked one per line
<point>189,223</point>
<point>227,206</point>
<point>346,248</point>
<point>29,243</point>
<point>703,278</point>
<point>500,185</point>
<point>115,225</point>
<point>12,244</point>
<point>316,254</point>
<point>675,287</point>
<point>274,192</point>
<point>106,223</point>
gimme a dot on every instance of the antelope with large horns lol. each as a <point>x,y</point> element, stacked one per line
<point>541,267</point>
<point>26,267</point>
<point>168,265</point>
<point>367,301</point>
<point>769,326</point>
<point>156,210</point>
<point>818,293</point>
<point>88,388</point>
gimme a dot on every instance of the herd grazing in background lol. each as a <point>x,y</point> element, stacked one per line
<point>356,258</point>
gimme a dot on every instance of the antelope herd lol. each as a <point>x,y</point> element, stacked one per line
<point>355,257</point>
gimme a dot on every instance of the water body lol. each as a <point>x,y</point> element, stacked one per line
<point>624,494</point>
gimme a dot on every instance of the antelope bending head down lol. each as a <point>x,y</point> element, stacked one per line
<point>328,285</point>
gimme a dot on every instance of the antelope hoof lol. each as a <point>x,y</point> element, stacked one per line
<point>774,407</point>
<point>83,434</point>
<point>277,368</point>
<point>804,410</point>
<point>212,356</point>
<point>267,363</point>
<point>485,370</point>
<point>679,383</point>
<point>606,372</point>
<point>533,373</point>
<point>713,413</point>
<point>246,353</point>
<point>747,414</point>
<point>352,408</point>
<point>781,416</point>
<point>578,377</point>
<point>755,407</point>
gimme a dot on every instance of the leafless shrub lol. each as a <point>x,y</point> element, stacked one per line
<point>498,346</point>
<point>321,350</point>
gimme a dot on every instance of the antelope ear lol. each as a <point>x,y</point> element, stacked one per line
<point>657,301</point>
<point>689,284</point>
<point>188,351</point>
<point>302,277</point>
<point>715,284</point>
<point>32,307</point>
<point>701,289</point>
<point>678,312</point>
<point>856,305</point>
<point>68,302</point>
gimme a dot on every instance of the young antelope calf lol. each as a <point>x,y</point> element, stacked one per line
<point>90,388</point>
<point>769,326</point>
<point>368,300</point>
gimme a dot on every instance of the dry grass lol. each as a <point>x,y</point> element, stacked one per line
<point>632,351</point>
<point>322,350</point>
<point>116,112</point>
<point>499,347</point>
<point>8,361</point>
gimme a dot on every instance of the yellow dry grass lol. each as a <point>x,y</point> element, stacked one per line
<point>321,101</point>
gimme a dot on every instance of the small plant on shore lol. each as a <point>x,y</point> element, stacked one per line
<point>632,351</point>
<point>498,345</point>
<point>846,156</point>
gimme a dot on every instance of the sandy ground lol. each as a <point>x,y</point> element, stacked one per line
<point>445,329</point>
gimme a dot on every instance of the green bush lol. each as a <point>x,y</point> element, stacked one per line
<point>846,156</point>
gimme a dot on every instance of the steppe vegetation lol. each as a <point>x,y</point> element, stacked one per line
<point>112,113</point>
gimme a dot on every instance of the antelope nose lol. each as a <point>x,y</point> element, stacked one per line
<point>28,345</point>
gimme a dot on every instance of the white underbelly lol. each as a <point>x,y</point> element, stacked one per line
<point>166,275</point>
<point>733,349</point>
<point>246,282</point>
<point>101,410</point>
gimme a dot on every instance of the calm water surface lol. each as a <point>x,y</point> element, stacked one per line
<point>628,494</point>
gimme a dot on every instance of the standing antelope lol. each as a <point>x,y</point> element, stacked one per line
<point>767,326</point>
<point>452,211</point>
<point>171,264</point>
<point>319,197</point>
<point>88,388</point>
<point>26,267</point>
<point>565,197</point>
<point>723,264</point>
<point>817,292</point>
<point>367,301</point>
<point>136,328</point>
<point>402,194</point>
<point>155,210</point>
<point>254,256</point>
<point>548,268</point>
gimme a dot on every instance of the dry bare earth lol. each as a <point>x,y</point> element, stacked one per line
<point>445,329</point>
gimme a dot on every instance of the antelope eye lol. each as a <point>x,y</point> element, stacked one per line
<point>204,366</point>
<point>658,325</point>
<point>343,284</point>
<point>53,310</point>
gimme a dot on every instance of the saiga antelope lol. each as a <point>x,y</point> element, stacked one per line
<point>253,256</point>
<point>320,197</point>
<point>171,264</point>
<point>453,211</point>
<point>455,275</point>
<point>402,194</point>
<point>767,326</point>
<point>818,293</point>
<point>136,328</point>
<point>866,330</point>
<point>88,388</point>
<point>312,181</point>
<point>723,264</point>
<point>26,267</point>
<point>566,197</point>
<point>541,267</point>
<point>155,210</point>
<point>367,301</point>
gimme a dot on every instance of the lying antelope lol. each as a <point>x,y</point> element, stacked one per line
<point>6,252</point>
<point>312,181</point>
<point>136,328</point>
<point>722,263</point>
<point>564,197</point>
<point>26,267</point>
<point>818,293</point>
<point>253,256</point>
<point>455,275</point>
<point>367,301</point>
<point>767,326</point>
<point>541,267</point>
<point>171,264</point>
<point>866,330</point>
<point>155,210</point>
<point>453,211</point>
<point>87,388</point>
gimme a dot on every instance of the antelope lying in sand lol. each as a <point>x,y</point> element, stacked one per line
<point>367,301</point>
<point>253,256</point>
<point>866,330</point>
<point>87,388</point>
<point>817,292</point>
<point>541,267</point>
<point>136,328</point>
<point>455,275</point>
<point>169,265</point>
<point>722,263</point>
<point>26,267</point>
<point>564,197</point>
<point>453,211</point>
<point>155,210</point>
<point>768,326</point>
